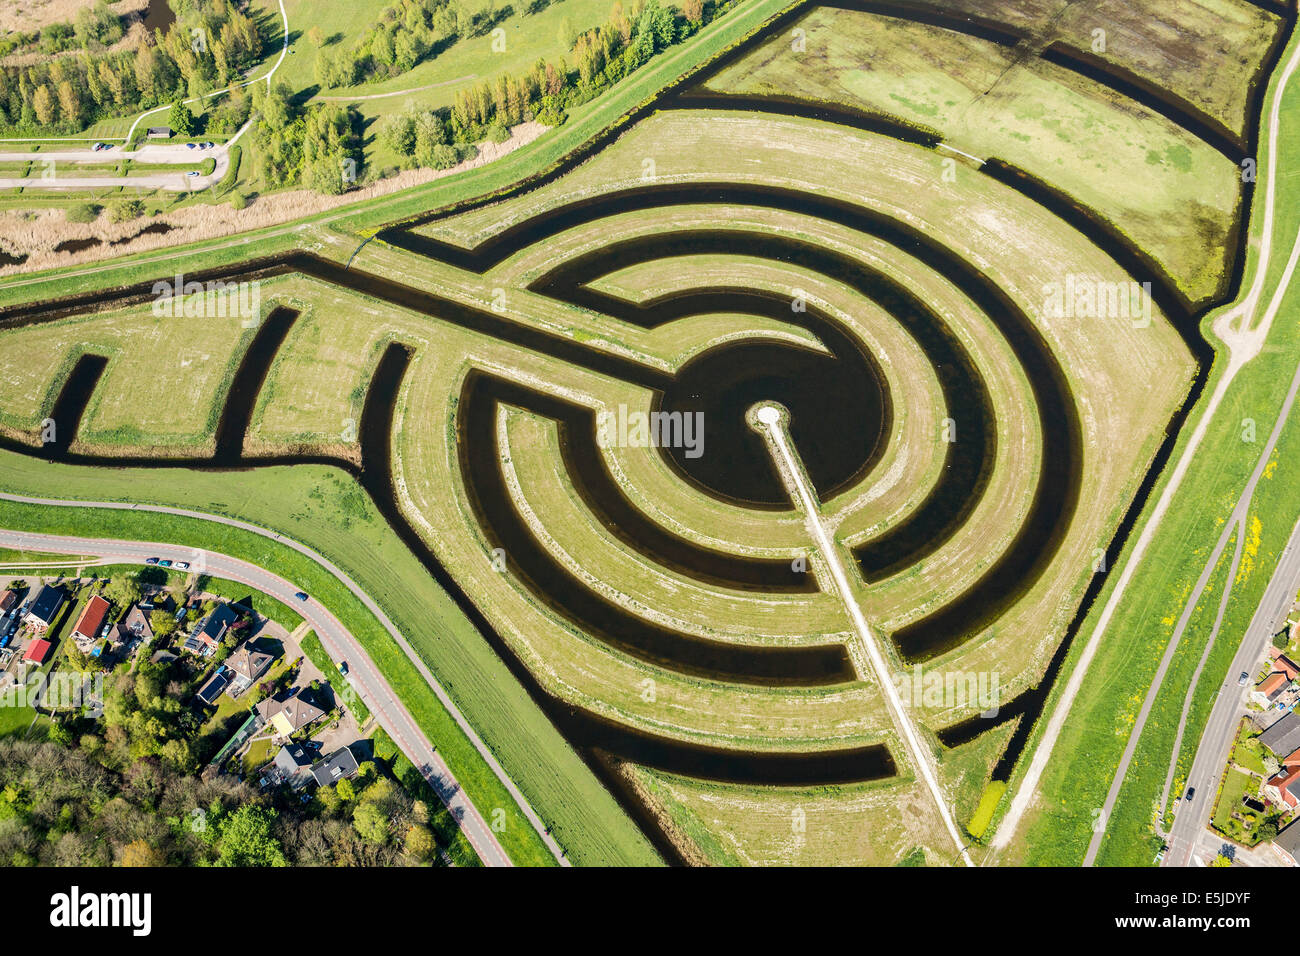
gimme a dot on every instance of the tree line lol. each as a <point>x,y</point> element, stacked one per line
<point>211,44</point>
<point>600,58</point>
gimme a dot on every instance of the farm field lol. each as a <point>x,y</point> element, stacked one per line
<point>748,507</point>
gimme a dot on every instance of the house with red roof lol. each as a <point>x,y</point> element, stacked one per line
<point>91,621</point>
<point>1268,690</point>
<point>1284,786</point>
<point>38,651</point>
<point>1284,665</point>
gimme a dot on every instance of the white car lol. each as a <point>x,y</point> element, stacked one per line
<point>181,565</point>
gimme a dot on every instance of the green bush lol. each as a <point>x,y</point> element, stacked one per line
<point>124,210</point>
<point>497,133</point>
<point>238,201</point>
<point>83,212</point>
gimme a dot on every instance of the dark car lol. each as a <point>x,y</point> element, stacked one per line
<point>301,595</point>
<point>150,560</point>
<point>164,563</point>
<point>343,668</point>
<point>1191,792</point>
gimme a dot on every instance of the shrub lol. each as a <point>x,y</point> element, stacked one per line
<point>238,201</point>
<point>124,210</point>
<point>497,133</point>
<point>83,212</point>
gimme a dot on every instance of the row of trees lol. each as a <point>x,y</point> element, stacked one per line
<point>68,93</point>
<point>601,57</point>
<point>406,33</point>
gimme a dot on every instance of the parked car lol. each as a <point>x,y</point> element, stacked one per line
<point>191,146</point>
<point>343,668</point>
<point>301,595</point>
<point>181,565</point>
<point>192,172</point>
<point>150,560</point>
<point>1241,681</point>
<point>164,563</point>
<point>1191,792</point>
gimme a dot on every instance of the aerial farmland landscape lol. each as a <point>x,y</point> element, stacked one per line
<point>689,433</point>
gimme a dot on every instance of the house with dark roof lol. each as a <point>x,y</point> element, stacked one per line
<point>91,621</point>
<point>1287,844</point>
<point>208,632</point>
<point>213,687</point>
<point>135,626</point>
<point>341,763</point>
<point>293,762</point>
<point>46,604</point>
<point>1283,736</point>
<point>245,666</point>
<point>7,600</point>
<point>288,714</point>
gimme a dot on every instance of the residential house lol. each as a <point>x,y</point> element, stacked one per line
<point>245,666</point>
<point>213,687</point>
<point>135,626</point>
<point>1288,844</point>
<point>46,604</point>
<point>91,621</point>
<point>341,763</point>
<point>208,632</point>
<point>288,714</point>
<point>38,651</point>
<point>7,600</point>
<point>1283,788</point>
<point>1284,665</point>
<point>294,765</point>
<point>1283,736</point>
<point>1270,689</point>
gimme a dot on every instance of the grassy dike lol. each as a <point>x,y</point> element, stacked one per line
<point>325,510</point>
<point>348,225</point>
<point>1058,829</point>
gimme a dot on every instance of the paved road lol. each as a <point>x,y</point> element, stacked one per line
<point>66,160</point>
<point>1230,704</point>
<point>338,643</point>
<point>343,578</point>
